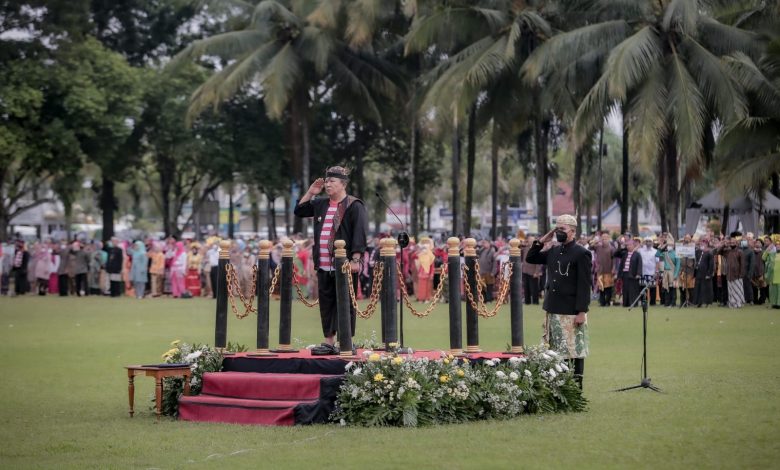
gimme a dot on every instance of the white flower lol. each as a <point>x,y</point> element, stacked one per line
<point>528,373</point>
<point>558,368</point>
<point>342,422</point>
<point>193,356</point>
<point>349,365</point>
<point>514,360</point>
<point>564,366</point>
<point>552,373</point>
<point>357,371</point>
<point>490,362</point>
<point>500,374</point>
<point>545,357</point>
<point>552,353</point>
<point>367,352</point>
<point>513,375</point>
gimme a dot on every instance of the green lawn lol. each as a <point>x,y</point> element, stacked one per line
<point>64,394</point>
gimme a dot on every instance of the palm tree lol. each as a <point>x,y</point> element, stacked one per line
<point>483,45</point>
<point>748,153</point>
<point>297,52</point>
<point>662,66</point>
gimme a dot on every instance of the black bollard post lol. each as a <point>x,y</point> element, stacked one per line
<point>515,297</point>
<point>263,296</point>
<point>220,330</point>
<point>453,267</point>
<point>472,319</point>
<point>389,289</point>
<point>343,299</point>
<point>285,306</point>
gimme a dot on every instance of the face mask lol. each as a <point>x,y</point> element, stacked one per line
<point>560,236</point>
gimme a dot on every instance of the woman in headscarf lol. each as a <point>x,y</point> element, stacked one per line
<point>424,268</point>
<point>139,268</point>
<point>157,269</point>
<point>194,261</point>
<point>42,268</point>
<point>178,269</point>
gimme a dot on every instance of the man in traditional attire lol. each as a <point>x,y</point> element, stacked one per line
<point>670,271</point>
<point>337,217</point>
<point>746,245</point>
<point>604,253</point>
<point>704,270</point>
<point>758,280</point>
<point>630,272</point>
<point>735,268</point>
<point>567,292</point>
<point>687,273</point>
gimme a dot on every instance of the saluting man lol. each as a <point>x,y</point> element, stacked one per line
<point>567,292</point>
<point>337,217</point>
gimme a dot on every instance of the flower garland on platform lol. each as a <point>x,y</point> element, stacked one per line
<point>391,390</point>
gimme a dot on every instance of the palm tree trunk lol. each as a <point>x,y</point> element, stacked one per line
<point>414,156</point>
<point>635,218</point>
<point>624,203</point>
<point>541,130</point>
<point>231,229</point>
<point>661,189</point>
<point>576,189</point>
<point>270,215</point>
<point>776,192</point>
<point>601,179</point>
<point>456,181</point>
<point>107,206</point>
<point>299,144</point>
<point>505,215</point>
<point>470,162</point>
<point>494,181</point>
<point>673,188</point>
<point>254,210</point>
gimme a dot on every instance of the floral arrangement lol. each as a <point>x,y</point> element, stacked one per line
<point>202,358</point>
<point>391,390</point>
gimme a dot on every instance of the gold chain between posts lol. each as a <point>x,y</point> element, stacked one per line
<point>275,278</point>
<point>234,290</point>
<point>300,293</point>
<point>373,301</point>
<point>436,295</point>
<point>503,290</point>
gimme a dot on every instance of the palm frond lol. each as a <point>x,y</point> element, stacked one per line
<point>272,11</point>
<point>451,26</point>
<point>647,111</point>
<point>681,16</point>
<point>225,83</point>
<point>715,81</point>
<point>592,111</point>
<point>687,109</point>
<point>325,15</point>
<point>316,45</point>
<point>533,21</point>
<point>631,60</point>
<point>355,86</point>
<point>722,40</point>
<point>565,48</point>
<point>362,21</point>
<point>748,74</point>
<point>226,45</point>
<point>278,78</point>
<point>748,139</point>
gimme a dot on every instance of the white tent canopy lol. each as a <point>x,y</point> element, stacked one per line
<point>744,209</point>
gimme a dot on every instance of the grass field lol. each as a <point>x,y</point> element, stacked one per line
<point>64,395</point>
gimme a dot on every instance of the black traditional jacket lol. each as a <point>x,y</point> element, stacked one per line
<point>350,224</point>
<point>569,277</point>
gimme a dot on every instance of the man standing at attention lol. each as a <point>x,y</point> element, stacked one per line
<point>567,292</point>
<point>337,217</point>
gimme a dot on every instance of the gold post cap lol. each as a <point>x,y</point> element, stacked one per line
<point>471,247</point>
<point>224,249</point>
<point>287,251</point>
<point>265,249</point>
<point>514,247</point>
<point>453,246</point>
<point>340,251</point>
<point>388,246</point>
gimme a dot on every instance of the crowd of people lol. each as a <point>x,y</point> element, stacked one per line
<point>731,271</point>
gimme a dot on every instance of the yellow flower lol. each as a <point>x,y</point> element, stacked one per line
<point>444,379</point>
<point>446,361</point>
<point>176,342</point>
<point>397,360</point>
<point>169,353</point>
<point>378,377</point>
<point>450,357</point>
<point>374,357</point>
<point>392,345</point>
<point>461,373</point>
<point>465,360</point>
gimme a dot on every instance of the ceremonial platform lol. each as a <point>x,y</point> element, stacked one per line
<point>279,390</point>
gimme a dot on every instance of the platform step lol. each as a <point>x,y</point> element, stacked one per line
<point>207,408</point>
<point>247,385</point>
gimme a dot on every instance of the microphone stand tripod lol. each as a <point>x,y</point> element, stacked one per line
<point>645,383</point>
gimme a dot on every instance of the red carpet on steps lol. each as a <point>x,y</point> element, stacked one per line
<point>265,399</point>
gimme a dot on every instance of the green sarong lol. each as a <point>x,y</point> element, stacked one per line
<point>566,338</point>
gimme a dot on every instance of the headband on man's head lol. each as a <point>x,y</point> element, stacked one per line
<point>333,174</point>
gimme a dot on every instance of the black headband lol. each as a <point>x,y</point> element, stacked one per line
<point>333,174</point>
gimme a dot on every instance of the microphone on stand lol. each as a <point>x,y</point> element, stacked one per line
<point>403,242</point>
